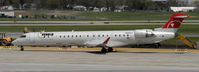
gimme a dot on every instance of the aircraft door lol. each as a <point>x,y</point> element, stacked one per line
<point>32,38</point>
<point>130,35</point>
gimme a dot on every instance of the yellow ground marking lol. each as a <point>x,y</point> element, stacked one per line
<point>98,49</point>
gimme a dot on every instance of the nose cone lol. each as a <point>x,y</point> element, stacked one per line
<point>14,42</point>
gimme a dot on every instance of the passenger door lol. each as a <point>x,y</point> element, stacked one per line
<point>31,38</point>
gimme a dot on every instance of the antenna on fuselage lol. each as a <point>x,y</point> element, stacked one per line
<point>73,30</point>
<point>41,31</point>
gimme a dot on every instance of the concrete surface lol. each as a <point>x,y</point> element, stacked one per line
<point>12,60</point>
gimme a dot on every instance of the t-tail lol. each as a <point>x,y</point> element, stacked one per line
<point>174,23</point>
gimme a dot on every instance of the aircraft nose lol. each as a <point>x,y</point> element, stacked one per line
<point>14,42</point>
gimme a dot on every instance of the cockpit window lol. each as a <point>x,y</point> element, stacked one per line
<point>23,36</point>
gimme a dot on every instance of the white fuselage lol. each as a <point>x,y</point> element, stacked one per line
<point>93,38</point>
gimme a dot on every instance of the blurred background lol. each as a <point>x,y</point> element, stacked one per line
<point>95,15</point>
<point>94,9</point>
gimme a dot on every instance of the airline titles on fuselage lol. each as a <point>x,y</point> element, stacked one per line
<point>47,35</point>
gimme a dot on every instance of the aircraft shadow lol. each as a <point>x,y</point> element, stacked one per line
<point>92,52</point>
<point>51,51</point>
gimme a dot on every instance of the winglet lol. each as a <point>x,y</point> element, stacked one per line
<point>106,41</point>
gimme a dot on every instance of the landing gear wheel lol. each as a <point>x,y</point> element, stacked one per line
<point>103,50</point>
<point>110,49</point>
<point>3,42</point>
<point>158,45</point>
<point>22,49</point>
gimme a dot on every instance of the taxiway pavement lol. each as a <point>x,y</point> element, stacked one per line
<point>12,60</point>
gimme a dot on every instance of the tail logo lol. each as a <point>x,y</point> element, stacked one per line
<point>174,24</point>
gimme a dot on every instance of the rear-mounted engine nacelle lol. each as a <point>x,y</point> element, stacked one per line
<point>144,33</point>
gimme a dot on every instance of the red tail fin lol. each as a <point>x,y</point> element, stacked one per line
<point>175,21</point>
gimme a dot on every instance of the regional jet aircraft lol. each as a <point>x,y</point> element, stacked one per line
<point>105,39</point>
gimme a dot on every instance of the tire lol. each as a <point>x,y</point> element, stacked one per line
<point>158,45</point>
<point>103,50</point>
<point>110,49</point>
<point>155,46</point>
<point>22,49</point>
<point>3,42</point>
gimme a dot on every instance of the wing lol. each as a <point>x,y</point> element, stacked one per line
<point>104,43</point>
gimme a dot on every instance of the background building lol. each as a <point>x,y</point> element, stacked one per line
<point>177,2</point>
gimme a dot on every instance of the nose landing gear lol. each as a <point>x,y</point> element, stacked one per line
<point>21,48</point>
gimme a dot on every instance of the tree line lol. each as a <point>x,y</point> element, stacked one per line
<point>68,4</point>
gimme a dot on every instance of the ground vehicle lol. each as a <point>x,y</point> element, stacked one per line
<point>5,41</point>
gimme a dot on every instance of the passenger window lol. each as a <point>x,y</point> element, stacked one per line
<point>23,36</point>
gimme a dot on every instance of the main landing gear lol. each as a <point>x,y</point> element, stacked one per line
<point>104,50</point>
<point>21,48</point>
<point>110,49</point>
<point>157,45</point>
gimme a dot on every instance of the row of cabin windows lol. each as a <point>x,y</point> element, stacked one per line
<point>120,35</point>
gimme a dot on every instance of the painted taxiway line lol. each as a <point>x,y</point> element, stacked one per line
<point>98,49</point>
